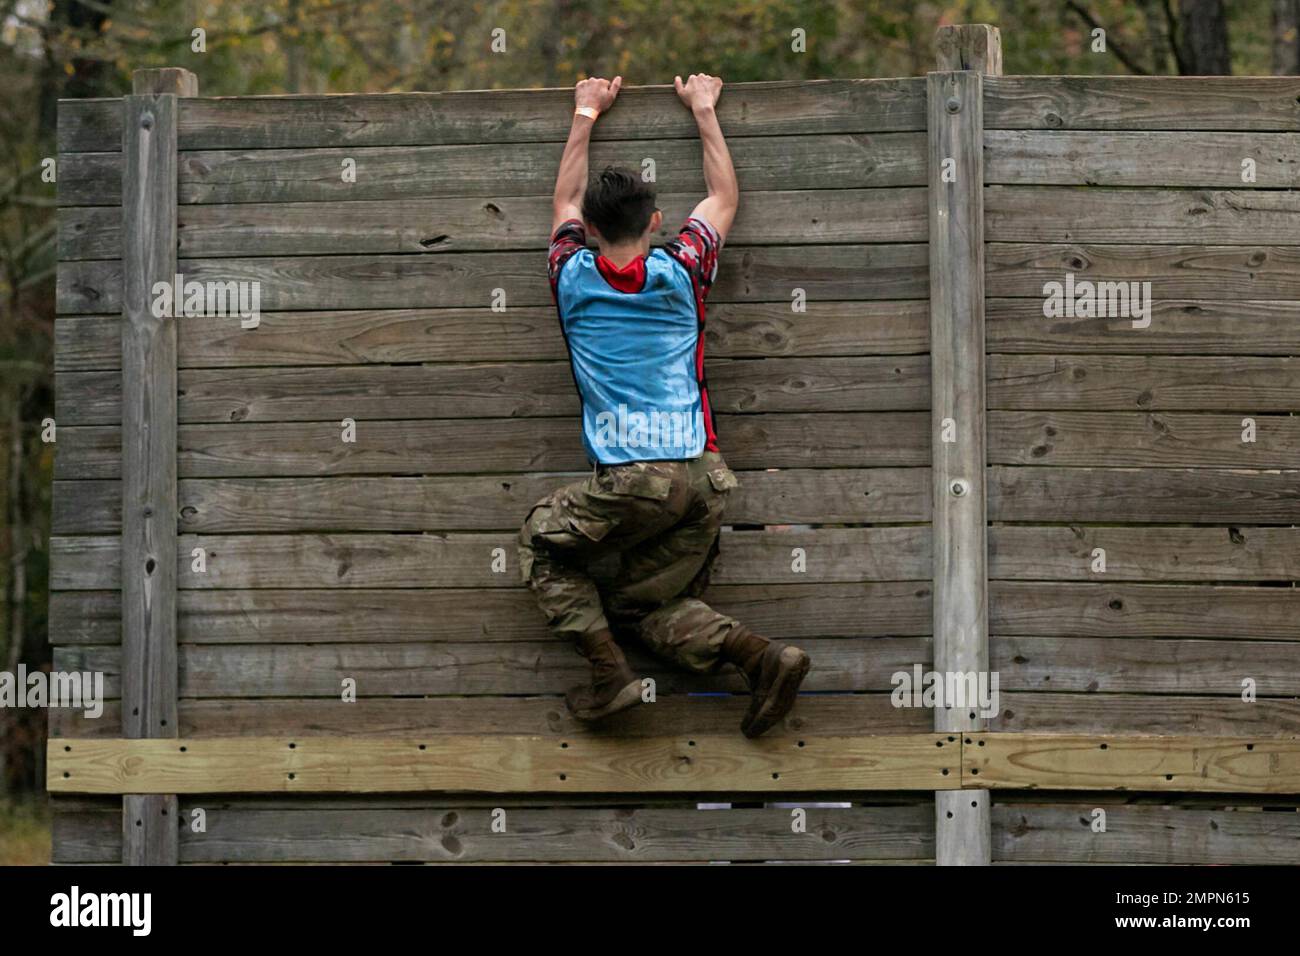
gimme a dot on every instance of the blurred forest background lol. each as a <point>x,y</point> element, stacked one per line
<point>86,48</point>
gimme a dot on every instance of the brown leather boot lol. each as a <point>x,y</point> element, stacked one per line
<point>613,686</point>
<point>773,671</point>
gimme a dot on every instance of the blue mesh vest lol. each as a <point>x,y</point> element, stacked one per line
<point>637,361</point>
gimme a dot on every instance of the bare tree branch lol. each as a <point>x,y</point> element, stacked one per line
<point>1120,53</point>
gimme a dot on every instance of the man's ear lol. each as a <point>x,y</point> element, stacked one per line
<point>591,229</point>
<point>656,220</point>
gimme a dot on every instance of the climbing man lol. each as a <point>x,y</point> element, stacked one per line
<point>633,322</point>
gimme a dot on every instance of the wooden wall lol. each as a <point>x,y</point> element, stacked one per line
<point>1102,435</point>
<point>373,560</point>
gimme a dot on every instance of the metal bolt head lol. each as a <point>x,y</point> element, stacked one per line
<point>953,105</point>
<point>146,121</point>
<point>959,487</point>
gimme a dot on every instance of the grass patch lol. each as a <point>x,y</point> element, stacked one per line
<point>24,831</point>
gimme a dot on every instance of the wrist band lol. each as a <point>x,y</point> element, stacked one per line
<point>588,111</point>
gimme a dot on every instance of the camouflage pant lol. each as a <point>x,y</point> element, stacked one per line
<point>662,519</point>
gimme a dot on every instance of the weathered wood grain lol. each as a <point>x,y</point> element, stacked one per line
<point>1141,495</point>
<point>146,551</point>
<point>502,764</point>
<point>1145,554</point>
<point>1174,271</point>
<point>1144,610</point>
<point>1143,382</point>
<point>1252,104</point>
<point>89,124</point>
<point>955,121</point>
<point>508,116</point>
<point>752,274</point>
<point>1024,833</point>
<point>455,224</point>
<point>491,390</point>
<point>1131,665</point>
<point>840,160</point>
<point>733,330</point>
<point>819,714</point>
<point>1172,216</point>
<point>640,835</point>
<point>436,668</point>
<point>957,362</point>
<point>1142,439</point>
<point>848,439</point>
<point>481,503</point>
<point>1116,762</point>
<point>1178,326</point>
<point>785,611</point>
<point>444,830</point>
<point>1140,158</point>
<point>853,440</point>
<point>483,560</point>
<point>1031,712</point>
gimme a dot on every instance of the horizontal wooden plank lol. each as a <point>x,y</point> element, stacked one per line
<point>505,116</point>
<point>481,503</point>
<point>640,835</point>
<point>786,496</point>
<point>1143,382</point>
<point>848,439</point>
<point>1129,665</point>
<point>90,125</point>
<point>818,714</point>
<point>1056,553</point>
<point>1034,712</point>
<point>1191,495</point>
<point>1144,554</point>
<point>784,611</point>
<point>449,831</point>
<point>1036,608</point>
<point>1140,158</point>
<point>838,160</point>
<point>501,764</point>
<point>1142,103</point>
<point>434,668</point>
<point>455,224</point>
<point>1178,326</point>
<point>734,330</point>
<point>1172,216</point>
<point>491,390</point>
<point>750,274</point>
<point>1181,271</point>
<point>1025,833</point>
<point>1116,762</point>
<point>482,560</point>
<point>1141,439</point>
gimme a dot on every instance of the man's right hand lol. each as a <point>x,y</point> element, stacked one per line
<point>596,93</point>
<point>700,91</point>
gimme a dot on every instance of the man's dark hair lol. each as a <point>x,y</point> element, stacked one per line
<point>619,204</point>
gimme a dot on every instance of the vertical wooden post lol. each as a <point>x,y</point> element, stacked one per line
<point>956,158</point>
<point>150,826</point>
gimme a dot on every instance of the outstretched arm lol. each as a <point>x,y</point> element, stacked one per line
<point>592,94</point>
<point>700,92</point>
